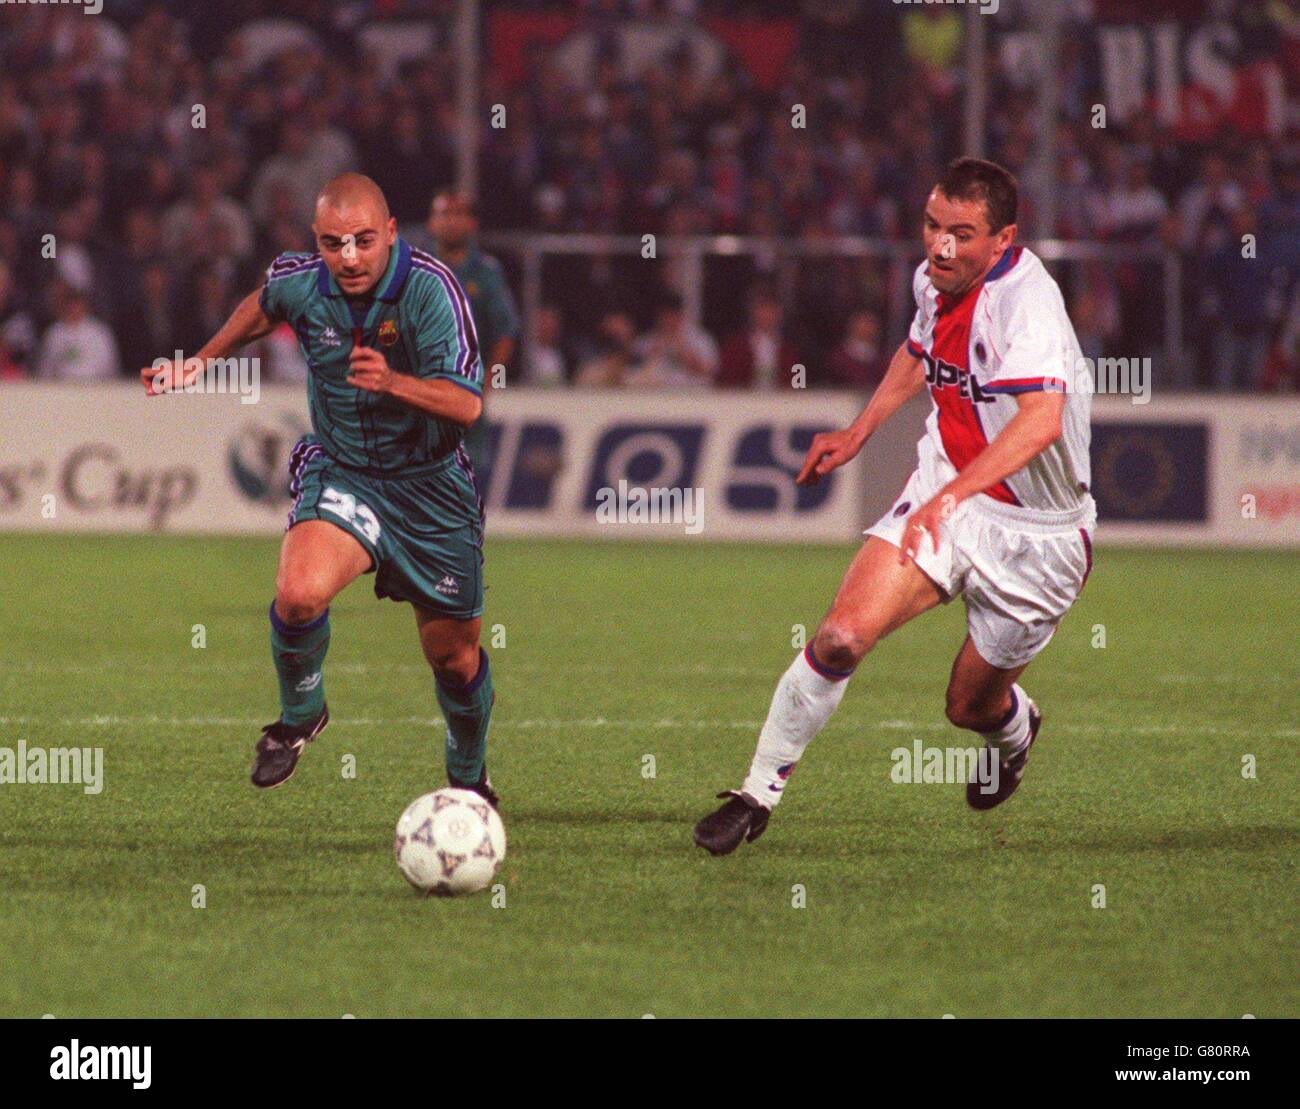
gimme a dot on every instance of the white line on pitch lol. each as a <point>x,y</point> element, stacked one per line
<point>604,722</point>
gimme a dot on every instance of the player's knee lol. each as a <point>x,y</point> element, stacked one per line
<point>840,646</point>
<point>965,712</point>
<point>300,600</point>
<point>457,661</point>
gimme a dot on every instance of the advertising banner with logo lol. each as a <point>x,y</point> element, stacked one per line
<point>627,465</point>
<point>106,458</point>
<point>1185,470</point>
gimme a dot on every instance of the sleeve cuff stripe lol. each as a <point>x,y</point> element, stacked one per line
<point>914,350</point>
<point>468,385</point>
<point>1027,385</point>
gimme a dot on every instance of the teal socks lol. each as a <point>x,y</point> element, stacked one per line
<point>467,709</point>
<point>299,653</point>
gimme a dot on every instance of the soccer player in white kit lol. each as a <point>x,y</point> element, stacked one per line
<point>998,509</point>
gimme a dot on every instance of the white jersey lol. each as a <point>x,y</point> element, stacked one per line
<point>1008,335</point>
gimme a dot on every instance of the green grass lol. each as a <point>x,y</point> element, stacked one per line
<point>915,906</point>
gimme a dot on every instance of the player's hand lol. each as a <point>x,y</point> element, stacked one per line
<point>169,376</point>
<point>924,524</point>
<point>829,449</point>
<point>369,370</point>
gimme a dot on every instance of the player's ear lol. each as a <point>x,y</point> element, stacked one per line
<point>392,230</point>
<point>1007,236</point>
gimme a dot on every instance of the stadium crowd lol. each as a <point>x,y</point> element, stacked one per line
<point>159,224</point>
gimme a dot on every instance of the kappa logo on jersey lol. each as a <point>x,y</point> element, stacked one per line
<point>330,338</point>
<point>944,375</point>
<point>449,586</point>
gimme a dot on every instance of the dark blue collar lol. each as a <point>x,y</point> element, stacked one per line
<point>1009,258</point>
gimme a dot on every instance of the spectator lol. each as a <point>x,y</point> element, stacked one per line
<point>1238,289</point>
<point>191,225</point>
<point>292,168</point>
<point>674,355</point>
<point>17,329</point>
<point>859,362</point>
<point>150,331</point>
<point>96,121</point>
<point>77,346</point>
<point>544,362</point>
<point>613,362</point>
<point>760,357</point>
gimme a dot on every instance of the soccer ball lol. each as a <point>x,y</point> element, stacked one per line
<point>448,842</point>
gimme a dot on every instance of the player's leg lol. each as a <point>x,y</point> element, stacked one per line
<point>877,595</point>
<point>986,699</point>
<point>317,559</point>
<point>463,682</point>
<point>1021,582</point>
<point>980,696</point>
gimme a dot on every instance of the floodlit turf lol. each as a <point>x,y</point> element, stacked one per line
<point>915,906</point>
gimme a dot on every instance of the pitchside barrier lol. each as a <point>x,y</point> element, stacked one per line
<point>1179,470</point>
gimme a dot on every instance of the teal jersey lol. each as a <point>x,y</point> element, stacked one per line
<point>417,316</point>
<point>491,301</point>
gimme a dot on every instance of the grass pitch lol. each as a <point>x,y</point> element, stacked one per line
<point>914,905</point>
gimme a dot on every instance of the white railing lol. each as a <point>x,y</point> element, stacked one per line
<point>777,255</point>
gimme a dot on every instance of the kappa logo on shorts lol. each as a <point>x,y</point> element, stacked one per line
<point>901,510</point>
<point>449,585</point>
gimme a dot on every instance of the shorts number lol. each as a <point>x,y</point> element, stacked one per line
<point>344,505</point>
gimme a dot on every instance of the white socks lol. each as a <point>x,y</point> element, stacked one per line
<point>805,697</point>
<point>1012,736</point>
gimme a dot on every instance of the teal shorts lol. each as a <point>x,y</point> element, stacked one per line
<point>424,534</point>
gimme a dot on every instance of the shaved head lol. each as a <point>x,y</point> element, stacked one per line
<point>352,190</point>
<point>354,232</point>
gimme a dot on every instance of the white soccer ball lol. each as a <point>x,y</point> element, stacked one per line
<point>449,841</point>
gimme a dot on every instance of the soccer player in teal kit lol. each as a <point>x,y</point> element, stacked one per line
<point>382,484</point>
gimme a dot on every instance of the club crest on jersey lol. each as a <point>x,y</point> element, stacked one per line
<point>944,375</point>
<point>388,333</point>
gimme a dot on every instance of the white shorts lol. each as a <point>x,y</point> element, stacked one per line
<point>1018,571</point>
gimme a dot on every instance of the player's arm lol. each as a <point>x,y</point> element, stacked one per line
<point>246,323</point>
<point>902,381</point>
<point>436,396</point>
<point>448,376</point>
<point>1035,427</point>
